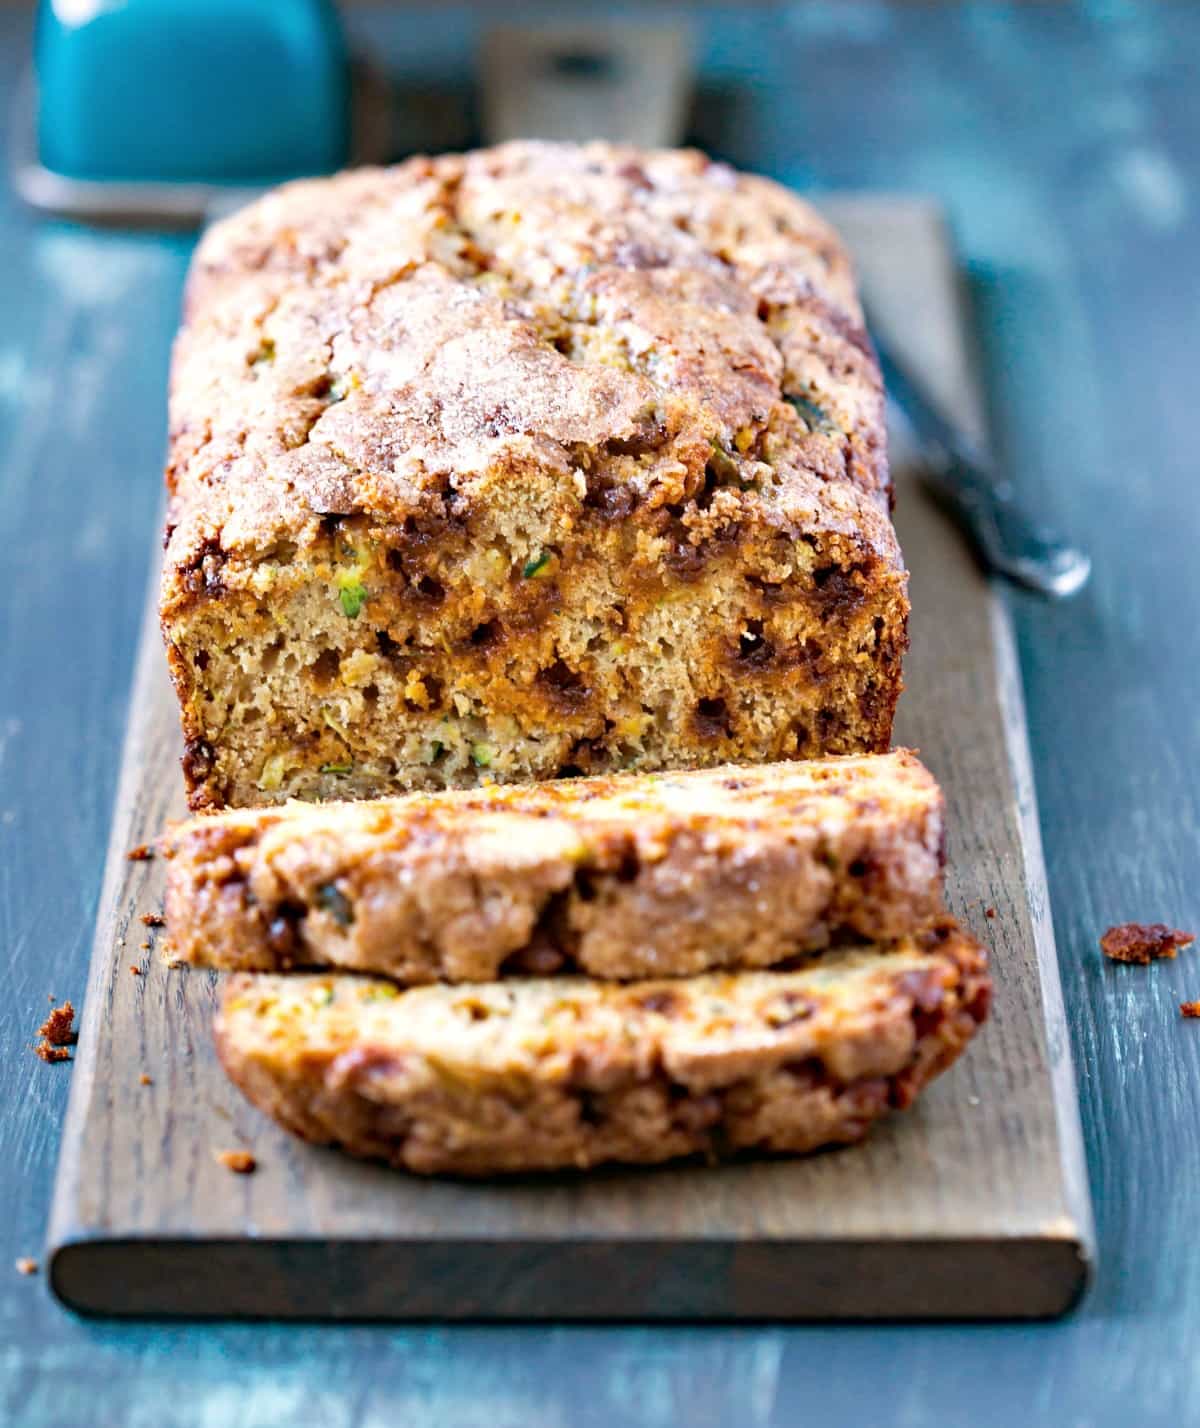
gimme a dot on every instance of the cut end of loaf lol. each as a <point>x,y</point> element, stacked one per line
<point>598,666</point>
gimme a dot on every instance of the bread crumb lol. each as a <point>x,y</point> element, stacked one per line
<point>50,997</point>
<point>56,1029</point>
<point>27,1266</point>
<point>154,919</point>
<point>145,946</point>
<point>141,854</point>
<point>989,912</point>
<point>135,970</point>
<point>50,1054</point>
<point>241,1162</point>
<point>144,1080</point>
<point>1190,1008</point>
<point>1144,942</point>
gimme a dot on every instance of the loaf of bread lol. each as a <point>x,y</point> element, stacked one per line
<point>534,461</point>
<point>628,876</point>
<point>544,1073</point>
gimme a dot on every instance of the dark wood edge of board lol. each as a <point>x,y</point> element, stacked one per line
<point>1073,1156</point>
<point>97,1002</point>
<point>480,1280</point>
<point>1079,1224</point>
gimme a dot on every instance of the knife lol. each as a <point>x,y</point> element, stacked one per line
<point>1007,537</point>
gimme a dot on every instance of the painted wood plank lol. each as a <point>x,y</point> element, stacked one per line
<point>974,1203</point>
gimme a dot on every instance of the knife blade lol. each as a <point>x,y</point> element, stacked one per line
<point>1009,540</point>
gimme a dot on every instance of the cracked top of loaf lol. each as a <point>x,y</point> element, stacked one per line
<point>612,327</point>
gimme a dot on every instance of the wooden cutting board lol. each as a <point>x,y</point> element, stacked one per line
<point>973,1204</point>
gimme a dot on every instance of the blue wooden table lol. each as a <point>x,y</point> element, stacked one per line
<point>1066,143</point>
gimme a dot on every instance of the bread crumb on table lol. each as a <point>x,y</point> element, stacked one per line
<point>144,1080</point>
<point>154,919</point>
<point>135,970</point>
<point>57,1029</point>
<point>1189,1009</point>
<point>50,1054</point>
<point>1144,942</point>
<point>26,1265</point>
<point>241,1162</point>
<point>989,912</point>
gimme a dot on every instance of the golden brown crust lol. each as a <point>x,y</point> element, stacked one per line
<point>622,877</point>
<point>530,459</point>
<point>549,1073</point>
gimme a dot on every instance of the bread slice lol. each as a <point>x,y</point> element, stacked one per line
<point>546,1073</point>
<point>539,459</point>
<point>631,876</point>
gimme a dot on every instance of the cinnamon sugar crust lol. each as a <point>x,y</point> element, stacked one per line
<point>536,460</point>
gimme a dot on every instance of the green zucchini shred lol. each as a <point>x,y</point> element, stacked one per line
<point>353,598</point>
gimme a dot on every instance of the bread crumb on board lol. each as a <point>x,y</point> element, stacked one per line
<point>141,854</point>
<point>25,1265</point>
<point>989,913</point>
<point>144,1080</point>
<point>135,970</point>
<point>1144,942</point>
<point>241,1162</point>
<point>153,919</point>
<point>1189,1009</point>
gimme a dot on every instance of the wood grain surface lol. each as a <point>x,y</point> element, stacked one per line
<point>974,1203</point>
